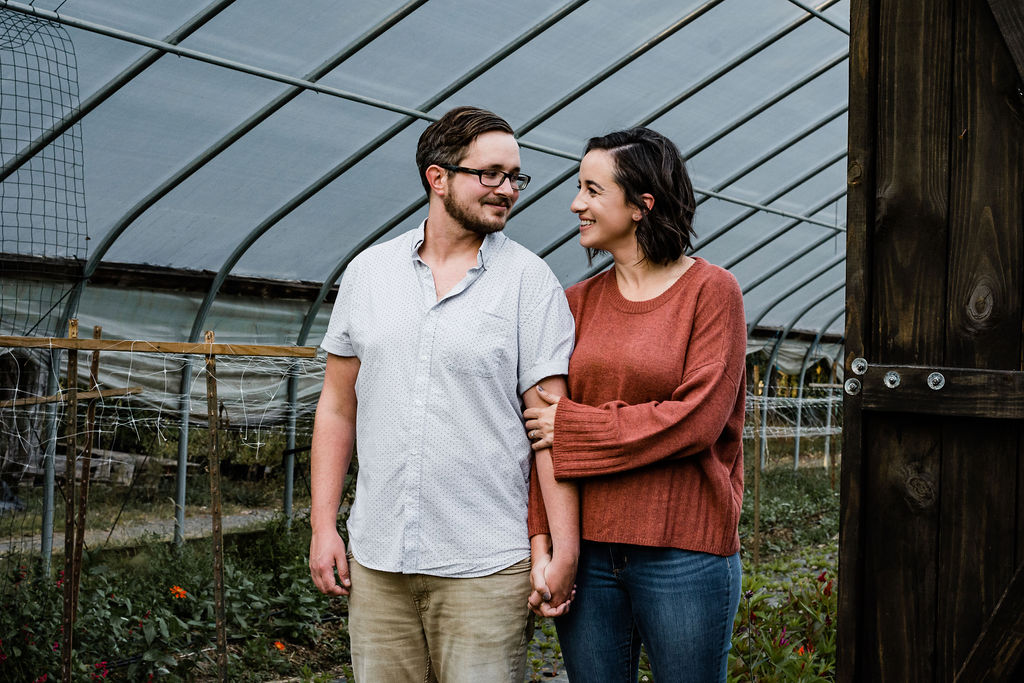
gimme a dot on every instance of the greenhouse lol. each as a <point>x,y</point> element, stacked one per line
<point>184,184</point>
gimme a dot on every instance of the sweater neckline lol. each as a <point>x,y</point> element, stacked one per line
<point>647,305</point>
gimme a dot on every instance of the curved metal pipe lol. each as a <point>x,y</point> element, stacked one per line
<point>796,286</point>
<point>800,388</point>
<point>783,230</point>
<point>363,152</point>
<point>775,356</point>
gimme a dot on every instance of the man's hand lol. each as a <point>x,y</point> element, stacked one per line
<point>327,552</point>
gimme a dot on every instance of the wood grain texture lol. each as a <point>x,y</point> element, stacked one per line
<point>992,657</point>
<point>902,454</point>
<point>860,204</point>
<point>978,518</point>
<point>1009,15</point>
<point>995,394</point>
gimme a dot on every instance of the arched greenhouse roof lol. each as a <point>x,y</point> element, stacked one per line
<point>195,149</point>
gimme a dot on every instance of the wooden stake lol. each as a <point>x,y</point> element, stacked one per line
<point>83,498</point>
<point>215,513</point>
<point>69,504</point>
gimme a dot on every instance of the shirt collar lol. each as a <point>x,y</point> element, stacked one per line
<point>490,246</point>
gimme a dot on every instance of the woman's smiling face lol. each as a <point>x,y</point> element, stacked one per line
<point>607,221</point>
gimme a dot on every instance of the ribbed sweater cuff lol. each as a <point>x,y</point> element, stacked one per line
<point>585,438</point>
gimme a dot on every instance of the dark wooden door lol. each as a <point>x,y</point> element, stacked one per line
<point>932,530</point>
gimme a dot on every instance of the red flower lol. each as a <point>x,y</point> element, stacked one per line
<point>278,644</point>
<point>821,576</point>
<point>828,588</point>
<point>178,592</point>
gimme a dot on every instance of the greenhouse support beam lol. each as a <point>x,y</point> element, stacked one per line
<point>211,152</point>
<point>775,357</point>
<point>240,67</point>
<point>704,144</point>
<point>181,479</point>
<point>792,289</point>
<point>547,113</point>
<point>779,149</point>
<point>819,15</point>
<point>289,449</point>
<point>749,251</point>
<point>800,388</point>
<point>109,88</point>
<point>657,113</point>
<point>778,194</point>
<point>49,461</point>
<point>301,197</point>
<point>617,65</point>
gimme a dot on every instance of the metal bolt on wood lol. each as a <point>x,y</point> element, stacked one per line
<point>852,386</point>
<point>936,381</point>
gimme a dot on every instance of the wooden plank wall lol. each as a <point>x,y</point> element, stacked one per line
<point>933,520</point>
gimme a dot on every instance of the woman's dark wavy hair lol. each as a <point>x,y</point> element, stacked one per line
<point>646,162</point>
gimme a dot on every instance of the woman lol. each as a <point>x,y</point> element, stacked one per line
<point>651,429</point>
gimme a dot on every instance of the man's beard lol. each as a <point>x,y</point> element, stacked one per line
<point>473,223</point>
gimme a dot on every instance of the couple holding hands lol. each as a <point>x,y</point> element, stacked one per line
<point>623,526</point>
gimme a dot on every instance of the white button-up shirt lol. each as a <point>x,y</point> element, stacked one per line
<point>444,461</point>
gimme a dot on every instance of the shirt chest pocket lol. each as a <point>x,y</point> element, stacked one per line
<point>483,345</point>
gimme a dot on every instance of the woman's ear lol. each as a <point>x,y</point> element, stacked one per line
<point>648,200</point>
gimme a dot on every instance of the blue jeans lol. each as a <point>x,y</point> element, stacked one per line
<point>680,604</point>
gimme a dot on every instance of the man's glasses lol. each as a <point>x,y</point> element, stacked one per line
<point>492,177</point>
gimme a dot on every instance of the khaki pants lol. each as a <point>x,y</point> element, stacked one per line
<point>414,628</point>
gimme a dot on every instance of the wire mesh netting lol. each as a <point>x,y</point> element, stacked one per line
<point>42,196</point>
<point>132,438</point>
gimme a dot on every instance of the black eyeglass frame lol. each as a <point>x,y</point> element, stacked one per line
<point>518,181</point>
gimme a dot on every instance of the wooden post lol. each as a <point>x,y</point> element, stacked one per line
<point>83,498</point>
<point>215,513</point>
<point>69,504</point>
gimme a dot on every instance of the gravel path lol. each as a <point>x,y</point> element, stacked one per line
<point>196,526</point>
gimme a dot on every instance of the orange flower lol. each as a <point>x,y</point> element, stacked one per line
<point>178,592</point>
<point>278,644</point>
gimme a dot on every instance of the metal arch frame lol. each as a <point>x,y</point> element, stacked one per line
<point>775,356</point>
<point>110,87</point>
<point>786,228</point>
<point>550,111</point>
<point>605,262</point>
<point>777,150</point>
<point>821,16</point>
<point>776,195</point>
<point>792,289</point>
<point>800,388</point>
<point>309,191</point>
<point>212,151</point>
<point>764,106</point>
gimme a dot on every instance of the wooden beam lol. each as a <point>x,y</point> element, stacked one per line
<point>159,347</point>
<point>964,393</point>
<point>1010,19</point>
<point>999,649</point>
<point>60,398</point>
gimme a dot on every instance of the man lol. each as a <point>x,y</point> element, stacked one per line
<point>434,338</point>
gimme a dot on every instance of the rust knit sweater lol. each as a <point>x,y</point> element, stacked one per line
<point>653,431</point>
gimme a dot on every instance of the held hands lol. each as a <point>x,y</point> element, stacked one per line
<point>327,551</point>
<point>553,588</point>
<point>540,422</point>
